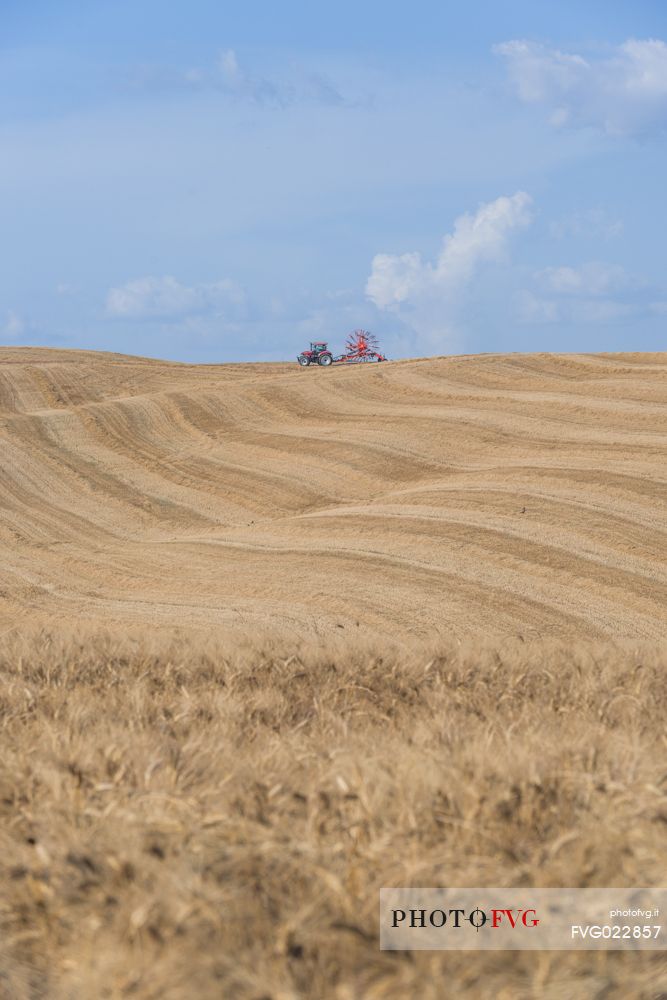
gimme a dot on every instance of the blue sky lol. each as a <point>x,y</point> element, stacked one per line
<point>213,181</point>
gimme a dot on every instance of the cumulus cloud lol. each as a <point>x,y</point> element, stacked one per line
<point>622,93</point>
<point>426,295</point>
<point>166,298</point>
<point>476,238</point>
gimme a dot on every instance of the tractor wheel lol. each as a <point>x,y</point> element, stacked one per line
<point>325,359</point>
<point>304,362</point>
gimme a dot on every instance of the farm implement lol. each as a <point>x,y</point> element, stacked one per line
<point>360,347</point>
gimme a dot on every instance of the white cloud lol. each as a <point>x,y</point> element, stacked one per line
<point>535,309</point>
<point>591,279</point>
<point>624,93</point>
<point>593,293</point>
<point>13,327</point>
<point>393,279</point>
<point>426,295</point>
<point>406,278</point>
<point>167,298</point>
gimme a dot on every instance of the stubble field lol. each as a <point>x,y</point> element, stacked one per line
<point>272,639</point>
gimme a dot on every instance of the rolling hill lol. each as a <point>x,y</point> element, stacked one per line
<point>272,639</point>
<point>497,494</point>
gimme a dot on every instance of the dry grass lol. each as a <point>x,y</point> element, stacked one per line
<point>201,818</point>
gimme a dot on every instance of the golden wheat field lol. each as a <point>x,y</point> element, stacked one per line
<point>271,639</point>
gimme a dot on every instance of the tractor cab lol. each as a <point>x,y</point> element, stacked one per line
<point>317,346</point>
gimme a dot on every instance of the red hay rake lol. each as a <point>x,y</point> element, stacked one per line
<point>361,346</point>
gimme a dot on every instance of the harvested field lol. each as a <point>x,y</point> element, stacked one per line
<point>520,494</point>
<point>273,638</point>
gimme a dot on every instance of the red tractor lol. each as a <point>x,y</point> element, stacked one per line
<point>361,346</point>
<point>319,354</point>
